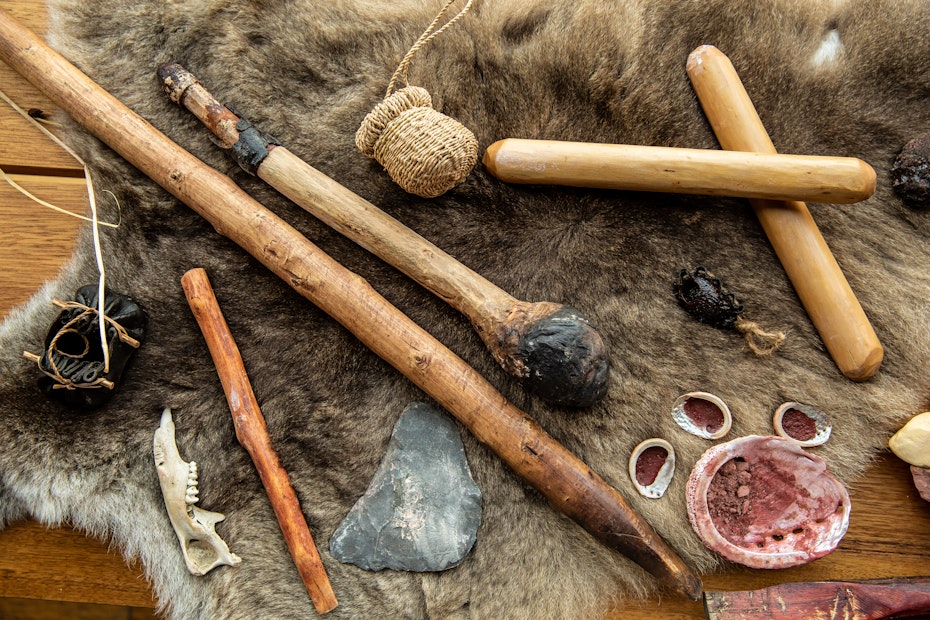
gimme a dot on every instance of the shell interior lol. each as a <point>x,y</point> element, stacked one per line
<point>766,503</point>
<point>702,414</point>
<point>802,424</point>
<point>652,466</point>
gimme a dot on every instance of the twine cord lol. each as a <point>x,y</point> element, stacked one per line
<point>68,328</point>
<point>758,340</point>
<point>428,35</point>
<point>95,222</point>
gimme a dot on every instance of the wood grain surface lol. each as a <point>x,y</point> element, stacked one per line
<point>889,534</point>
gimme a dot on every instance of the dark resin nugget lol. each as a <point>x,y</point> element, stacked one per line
<point>703,296</point>
<point>910,173</point>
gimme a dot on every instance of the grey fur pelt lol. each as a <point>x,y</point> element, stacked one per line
<point>307,72</point>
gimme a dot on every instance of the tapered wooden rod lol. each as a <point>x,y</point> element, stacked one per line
<point>681,170</point>
<point>252,434</point>
<point>569,485</point>
<point>556,351</point>
<point>808,262</point>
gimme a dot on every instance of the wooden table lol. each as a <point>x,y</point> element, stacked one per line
<point>889,534</point>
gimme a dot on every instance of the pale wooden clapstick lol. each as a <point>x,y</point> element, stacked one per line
<point>564,479</point>
<point>812,269</point>
<point>555,350</point>
<point>253,435</point>
<point>680,170</point>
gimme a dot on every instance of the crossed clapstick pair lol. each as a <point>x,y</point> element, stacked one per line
<point>749,167</point>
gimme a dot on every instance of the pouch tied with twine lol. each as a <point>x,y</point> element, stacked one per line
<point>424,151</point>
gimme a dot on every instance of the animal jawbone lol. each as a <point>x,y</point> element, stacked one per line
<point>202,547</point>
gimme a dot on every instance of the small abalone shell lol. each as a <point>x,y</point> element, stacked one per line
<point>802,424</point>
<point>652,465</point>
<point>702,414</point>
<point>764,502</point>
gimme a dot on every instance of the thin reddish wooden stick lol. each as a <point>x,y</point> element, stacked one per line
<point>252,434</point>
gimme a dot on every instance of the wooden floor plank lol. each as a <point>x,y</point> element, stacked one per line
<point>30,609</point>
<point>35,240</point>
<point>64,565</point>
<point>25,149</point>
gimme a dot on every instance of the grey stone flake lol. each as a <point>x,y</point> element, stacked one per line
<point>422,509</point>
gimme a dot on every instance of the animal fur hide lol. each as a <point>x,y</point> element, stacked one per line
<point>841,77</point>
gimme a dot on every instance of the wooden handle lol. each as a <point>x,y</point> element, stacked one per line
<point>345,211</point>
<point>682,171</point>
<point>560,476</point>
<point>812,269</point>
<point>252,434</point>
<point>554,350</point>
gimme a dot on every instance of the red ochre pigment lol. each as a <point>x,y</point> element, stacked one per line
<point>704,414</point>
<point>921,481</point>
<point>743,498</point>
<point>798,425</point>
<point>649,463</point>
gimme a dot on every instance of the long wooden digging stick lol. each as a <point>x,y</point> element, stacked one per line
<point>682,171</point>
<point>253,435</point>
<point>802,250</point>
<point>555,350</point>
<point>570,485</point>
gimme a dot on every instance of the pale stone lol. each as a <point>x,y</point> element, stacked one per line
<point>912,443</point>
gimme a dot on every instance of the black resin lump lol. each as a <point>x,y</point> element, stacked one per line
<point>703,296</point>
<point>910,173</point>
<point>567,359</point>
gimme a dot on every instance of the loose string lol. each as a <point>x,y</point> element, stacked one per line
<point>428,35</point>
<point>68,328</point>
<point>95,222</point>
<point>758,340</point>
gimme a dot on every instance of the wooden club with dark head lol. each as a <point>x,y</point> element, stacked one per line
<point>554,349</point>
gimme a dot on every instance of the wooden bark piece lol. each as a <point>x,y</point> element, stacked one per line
<point>847,600</point>
<point>252,434</point>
